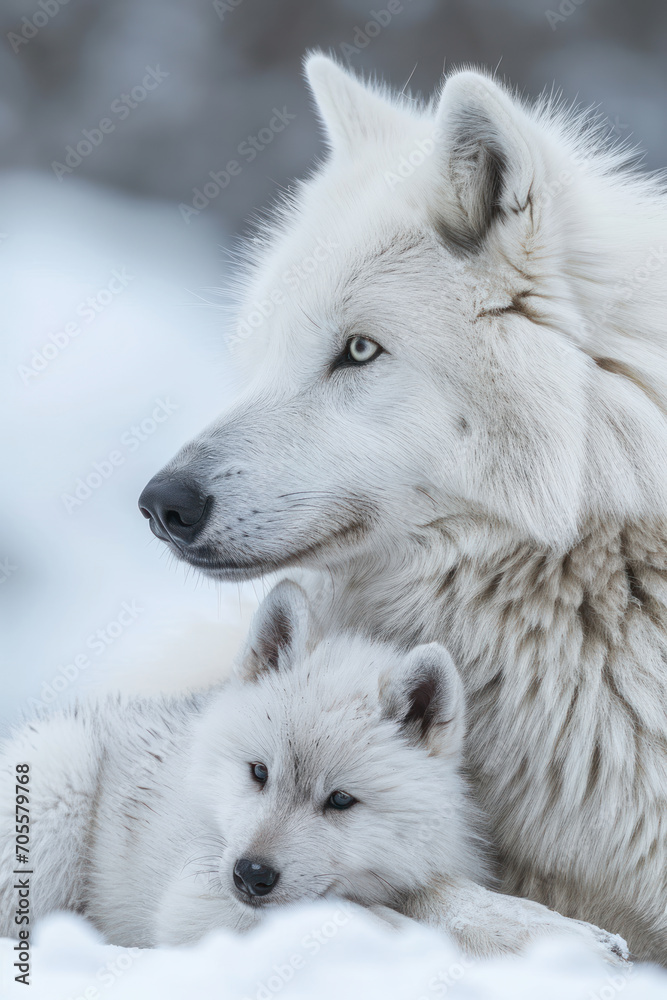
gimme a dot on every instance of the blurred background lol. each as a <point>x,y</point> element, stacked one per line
<point>118,121</point>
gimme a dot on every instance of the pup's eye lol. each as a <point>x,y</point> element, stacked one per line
<point>260,772</point>
<point>340,800</point>
<point>360,350</point>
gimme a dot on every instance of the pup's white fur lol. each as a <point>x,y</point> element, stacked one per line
<point>496,479</point>
<point>140,809</point>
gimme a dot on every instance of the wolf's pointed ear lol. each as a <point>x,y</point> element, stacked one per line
<point>278,631</point>
<point>352,113</point>
<point>424,694</point>
<point>488,153</point>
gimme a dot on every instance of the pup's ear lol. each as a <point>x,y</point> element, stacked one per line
<point>424,694</point>
<point>278,631</point>
<point>352,112</point>
<point>487,149</point>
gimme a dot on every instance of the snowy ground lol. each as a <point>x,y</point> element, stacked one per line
<point>317,952</point>
<point>67,569</point>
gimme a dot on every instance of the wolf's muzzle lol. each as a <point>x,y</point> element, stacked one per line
<point>176,508</point>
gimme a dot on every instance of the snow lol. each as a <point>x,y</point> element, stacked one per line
<point>316,952</point>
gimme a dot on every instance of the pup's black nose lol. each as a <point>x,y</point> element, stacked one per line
<point>176,507</point>
<point>254,877</point>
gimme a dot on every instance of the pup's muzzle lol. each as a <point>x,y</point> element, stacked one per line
<point>254,878</point>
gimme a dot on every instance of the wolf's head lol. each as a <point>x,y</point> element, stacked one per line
<point>334,768</point>
<point>422,332</point>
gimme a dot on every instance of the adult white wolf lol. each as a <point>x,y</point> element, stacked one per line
<point>458,421</point>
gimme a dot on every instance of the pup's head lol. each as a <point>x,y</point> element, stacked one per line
<point>415,324</point>
<point>334,769</point>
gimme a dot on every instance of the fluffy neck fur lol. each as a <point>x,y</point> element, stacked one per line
<point>563,657</point>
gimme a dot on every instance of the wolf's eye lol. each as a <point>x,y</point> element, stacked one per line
<point>361,350</point>
<point>358,351</point>
<point>260,772</point>
<point>340,800</point>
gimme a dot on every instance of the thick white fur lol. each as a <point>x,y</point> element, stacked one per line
<point>497,479</point>
<point>140,808</point>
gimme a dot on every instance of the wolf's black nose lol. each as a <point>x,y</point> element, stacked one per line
<point>176,507</point>
<point>254,877</point>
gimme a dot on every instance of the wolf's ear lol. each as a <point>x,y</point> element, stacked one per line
<point>488,154</point>
<point>278,631</point>
<point>424,694</point>
<point>352,113</point>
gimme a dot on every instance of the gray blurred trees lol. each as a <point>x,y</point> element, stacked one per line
<point>230,63</point>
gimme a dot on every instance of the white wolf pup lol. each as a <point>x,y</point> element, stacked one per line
<point>322,769</point>
<point>457,420</point>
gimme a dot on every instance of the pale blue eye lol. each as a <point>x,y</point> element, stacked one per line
<point>340,800</point>
<point>361,349</point>
<point>260,772</point>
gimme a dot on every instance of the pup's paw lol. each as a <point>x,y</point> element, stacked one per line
<point>612,946</point>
